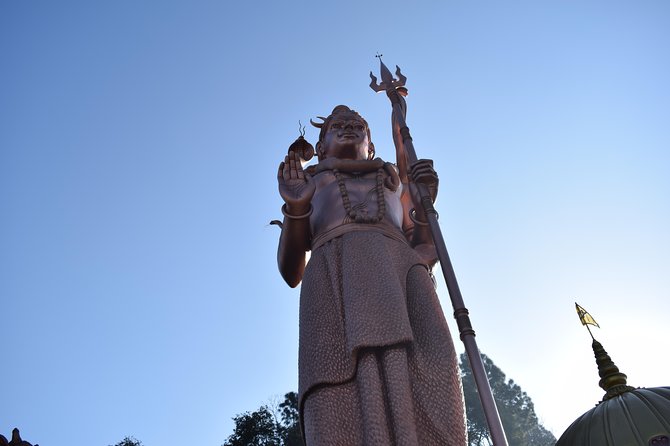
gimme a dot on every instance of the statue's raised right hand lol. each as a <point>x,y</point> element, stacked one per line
<point>295,186</point>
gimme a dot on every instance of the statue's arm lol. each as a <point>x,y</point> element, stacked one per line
<point>421,172</point>
<point>414,236</point>
<point>296,189</point>
<point>400,152</point>
<point>415,226</point>
<point>293,244</point>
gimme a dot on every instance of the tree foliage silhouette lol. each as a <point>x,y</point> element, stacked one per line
<point>516,409</point>
<point>129,441</point>
<point>277,426</point>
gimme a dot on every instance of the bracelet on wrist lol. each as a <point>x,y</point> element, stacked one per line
<point>412,216</point>
<point>296,217</point>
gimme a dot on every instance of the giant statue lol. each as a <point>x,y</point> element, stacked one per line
<point>377,364</point>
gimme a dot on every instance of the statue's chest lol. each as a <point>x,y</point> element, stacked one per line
<point>343,198</point>
<point>332,188</point>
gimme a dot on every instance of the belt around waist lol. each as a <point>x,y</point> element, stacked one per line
<point>337,231</point>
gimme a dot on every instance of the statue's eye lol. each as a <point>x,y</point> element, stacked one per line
<point>336,125</point>
<point>359,127</point>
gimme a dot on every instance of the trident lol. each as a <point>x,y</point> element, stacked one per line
<point>395,90</point>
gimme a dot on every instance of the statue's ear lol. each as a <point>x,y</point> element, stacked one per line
<point>371,151</point>
<point>319,154</point>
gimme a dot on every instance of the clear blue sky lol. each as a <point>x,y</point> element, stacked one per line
<point>139,142</point>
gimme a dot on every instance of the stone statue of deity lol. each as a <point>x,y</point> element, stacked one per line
<point>377,364</point>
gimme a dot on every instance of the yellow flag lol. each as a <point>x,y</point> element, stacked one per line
<point>585,317</point>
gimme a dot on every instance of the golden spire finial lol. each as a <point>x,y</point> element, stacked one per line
<point>612,381</point>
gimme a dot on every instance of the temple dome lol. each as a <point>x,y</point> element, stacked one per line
<point>625,417</point>
<point>639,417</point>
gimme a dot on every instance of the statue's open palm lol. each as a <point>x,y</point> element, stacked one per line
<point>295,186</point>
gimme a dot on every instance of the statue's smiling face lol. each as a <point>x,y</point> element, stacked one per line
<point>346,138</point>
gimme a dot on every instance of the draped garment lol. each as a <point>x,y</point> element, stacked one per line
<point>377,363</point>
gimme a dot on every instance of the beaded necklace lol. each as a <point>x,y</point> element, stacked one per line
<point>356,215</point>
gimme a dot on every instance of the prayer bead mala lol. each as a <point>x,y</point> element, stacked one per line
<point>355,215</point>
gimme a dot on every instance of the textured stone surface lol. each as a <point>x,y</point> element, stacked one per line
<point>377,363</point>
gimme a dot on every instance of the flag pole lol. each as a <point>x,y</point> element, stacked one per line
<point>587,327</point>
<point>395,90</point>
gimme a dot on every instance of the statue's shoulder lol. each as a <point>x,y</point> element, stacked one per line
<point>393,166</point>
<point>321,177</point>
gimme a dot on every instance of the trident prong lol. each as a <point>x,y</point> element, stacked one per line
<point>388,81</point>
<point>374,85</point>
<point>401,78</point>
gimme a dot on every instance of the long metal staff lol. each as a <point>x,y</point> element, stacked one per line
<point>395,90</point>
